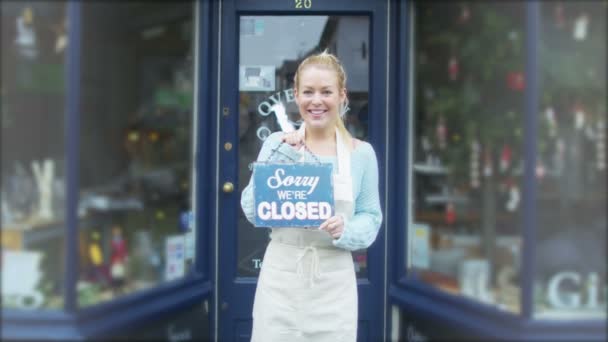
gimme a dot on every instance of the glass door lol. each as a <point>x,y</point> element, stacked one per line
<point>268,58</point>
<point>260,55</point>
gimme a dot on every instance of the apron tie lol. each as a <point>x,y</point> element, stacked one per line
<point>314,264</point>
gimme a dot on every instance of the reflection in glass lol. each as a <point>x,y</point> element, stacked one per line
<point>467,159</point>
<point>32,98</point>
<point>269,56</point>
<point>135,147</point>
<point>571,165</point>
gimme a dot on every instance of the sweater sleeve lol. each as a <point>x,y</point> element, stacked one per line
<point>362,228</point>
<point>284,153</point>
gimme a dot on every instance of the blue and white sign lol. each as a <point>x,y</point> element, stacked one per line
<point>293,195</point>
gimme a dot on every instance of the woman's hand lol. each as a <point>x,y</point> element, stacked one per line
<point>293,139</point>
<point>334,226</point>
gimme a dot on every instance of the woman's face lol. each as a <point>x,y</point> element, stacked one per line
<point>318,97</point>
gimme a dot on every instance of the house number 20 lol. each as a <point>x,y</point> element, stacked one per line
<point>303,3</point>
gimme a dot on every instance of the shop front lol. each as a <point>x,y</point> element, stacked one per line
<point>505,219</point>
<point>99,181</point>
<point>128,129</point>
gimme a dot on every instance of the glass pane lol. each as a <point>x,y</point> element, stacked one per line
<point>571,165</point>
<point>466,175</point>
<point>32,96</point>
<point>136,143</point>
<point>271,48</point>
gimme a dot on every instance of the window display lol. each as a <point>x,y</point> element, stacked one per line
<point>136,147</point>
<point>467,165</point>
<point>32,98</point>
<point>570,281</point>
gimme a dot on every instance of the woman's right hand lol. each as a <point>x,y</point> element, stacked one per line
<point>293,139</point>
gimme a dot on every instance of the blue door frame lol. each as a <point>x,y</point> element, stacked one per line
<point>234,296</point>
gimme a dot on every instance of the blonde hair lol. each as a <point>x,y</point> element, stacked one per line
<point>331,62</point>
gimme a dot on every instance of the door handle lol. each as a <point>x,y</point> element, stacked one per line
<point>228,187</point>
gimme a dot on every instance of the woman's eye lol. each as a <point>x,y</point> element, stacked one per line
<point>327,92</point>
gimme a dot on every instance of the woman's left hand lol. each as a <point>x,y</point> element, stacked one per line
<point>334,226</point>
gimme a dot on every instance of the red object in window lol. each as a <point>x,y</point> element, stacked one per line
<point>465,13</point>
<point>450,214</point>
<point>118,247</point>
<point>558,13</point>
<point>505,158</point>
<point>516,81</point>
<point>453,68</point>
<point>441,133</point>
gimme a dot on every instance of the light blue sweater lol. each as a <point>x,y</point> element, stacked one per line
<point>361,229</point>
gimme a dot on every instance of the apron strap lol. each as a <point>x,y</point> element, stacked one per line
<point>342,152</point>
<point>314,265</point>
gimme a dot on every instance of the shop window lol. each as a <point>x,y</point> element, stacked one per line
<point>136,147</point>
<point>467,153</point>
<point>32,98</point>
<point>570,281</point>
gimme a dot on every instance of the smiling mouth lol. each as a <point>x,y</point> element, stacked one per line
<point>316,114</point>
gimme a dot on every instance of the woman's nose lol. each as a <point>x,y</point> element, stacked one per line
<point>316,98</point>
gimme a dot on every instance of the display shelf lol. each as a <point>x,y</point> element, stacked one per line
<point>431,169</point>
<point>27,234</point>
<point>18,236</point>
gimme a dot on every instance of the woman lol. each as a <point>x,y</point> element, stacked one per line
<point>307,288</point>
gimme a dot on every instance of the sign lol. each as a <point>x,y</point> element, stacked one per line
<point>474,279</point>
<point>420,250</point>
<point>174,256</point>
<point>252,26</point>
<point>186,221</point>
<point>560,298</point>
<point>256,78</point>
<point>299,4</point>
<point>20,278</point>
<point>293,195</point>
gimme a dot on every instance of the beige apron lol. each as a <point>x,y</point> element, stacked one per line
<point>307,289</point>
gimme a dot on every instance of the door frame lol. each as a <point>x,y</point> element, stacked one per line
<point>226,24</point>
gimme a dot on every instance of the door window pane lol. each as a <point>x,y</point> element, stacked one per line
<point>270,50</point>
<point>571,165</point>
<point>466,175</point>
<point>33,103</point>
<point>136,139</point>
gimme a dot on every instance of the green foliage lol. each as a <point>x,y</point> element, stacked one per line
<point>482,104</point>
<point>478,104</point>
